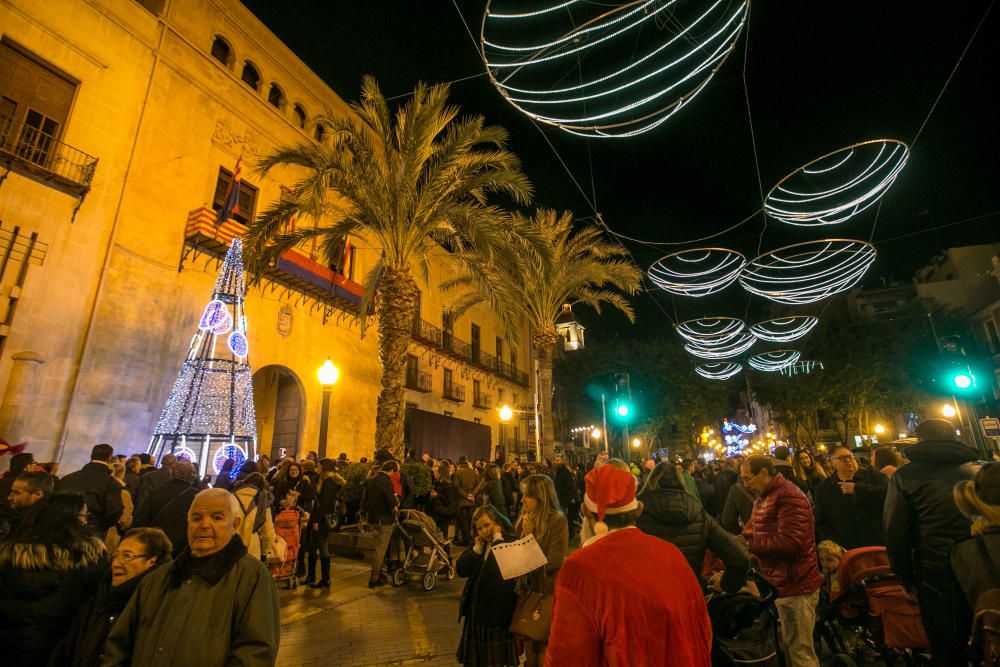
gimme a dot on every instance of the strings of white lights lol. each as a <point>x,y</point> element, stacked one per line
<point>801,367</point>
<point>784,329</point>
<point>697,272</point>
<point>729,349</point>
<point>808,272</point>
<point>722,370</point>
<point>839,185</point>
<point>630,76</point>
<point>710,330</point>
<point>770,362</point>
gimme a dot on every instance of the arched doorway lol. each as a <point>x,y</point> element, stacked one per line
<point>280,402</point>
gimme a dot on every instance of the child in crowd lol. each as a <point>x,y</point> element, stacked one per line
<point>830,553</point>
<point>488,601</point>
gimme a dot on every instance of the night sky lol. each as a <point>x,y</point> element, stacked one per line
<point>820,76</point>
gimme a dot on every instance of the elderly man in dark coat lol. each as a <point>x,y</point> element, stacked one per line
<point>849,503</point>
<point>213,606</point>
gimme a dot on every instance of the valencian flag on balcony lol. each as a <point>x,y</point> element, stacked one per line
<point>231,203</point>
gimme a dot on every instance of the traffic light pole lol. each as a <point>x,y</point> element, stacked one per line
<point>604,422</point>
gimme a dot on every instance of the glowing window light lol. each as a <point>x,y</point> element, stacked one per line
<point>808,272</point>
<point>784,329</point>
<point>839,185</point>
<point>615,95</point>
<point>730,349</point>
<point>771,362</point>
<point>697,272</point>
<point>719,370</point>
<point>800,367</point>
<point>710,330</point>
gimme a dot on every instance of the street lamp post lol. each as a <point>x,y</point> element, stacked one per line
<point>328,375</point>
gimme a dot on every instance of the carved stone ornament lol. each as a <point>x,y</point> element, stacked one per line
<point>285,318</point>
<point>236,141</point>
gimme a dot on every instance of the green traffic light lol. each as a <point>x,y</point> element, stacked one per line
<point>962,380</point>
<point>622,410</point>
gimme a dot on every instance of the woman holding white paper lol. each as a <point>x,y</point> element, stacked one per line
<point>488,600</point>
<point>541,517</point>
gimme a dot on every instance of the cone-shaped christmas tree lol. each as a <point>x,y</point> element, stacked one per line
<point>209,414</point>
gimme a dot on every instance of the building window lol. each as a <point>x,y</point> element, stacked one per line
<point>275,97</point>
<point>475,391</point>
<point>499,349</point>
<point>513,358</point>
<point>475,342</point>
<point>35,94</point>
<point>222,52</point>
<point>991,335</point>
<point>300,115</point>
<point>448,381</point>
<point>319,132</point>
<point>251,76</point>
<point>247,201</point>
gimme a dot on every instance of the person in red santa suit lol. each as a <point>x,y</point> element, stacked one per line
<point>626,598</point>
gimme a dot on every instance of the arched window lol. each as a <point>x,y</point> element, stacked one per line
<point>251,76</point>
<point>300,115</point>
<point>319,132</point>
<point>221,51</point>
<point>275,96</point>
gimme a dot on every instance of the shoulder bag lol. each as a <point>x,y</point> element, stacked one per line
<point>533,616</point>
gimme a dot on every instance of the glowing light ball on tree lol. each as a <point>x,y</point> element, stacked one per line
<point>606,69</point>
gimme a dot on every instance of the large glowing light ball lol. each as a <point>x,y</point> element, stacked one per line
<point>710,330</point>
<point>606,69</point>
<point>697,272</point>
<point>808,272</point>
<point>718,370</point>
<point>772,362</point>
<point>784,329</point>
<point>833,188</point>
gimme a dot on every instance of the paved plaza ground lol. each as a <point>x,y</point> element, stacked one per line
<point>354,626</point>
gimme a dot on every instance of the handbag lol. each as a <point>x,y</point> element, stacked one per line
<point>533,616</point>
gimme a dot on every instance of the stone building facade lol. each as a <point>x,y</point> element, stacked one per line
<point>122,122</point>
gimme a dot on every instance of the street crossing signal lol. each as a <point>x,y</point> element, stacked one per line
<point>623,410</point>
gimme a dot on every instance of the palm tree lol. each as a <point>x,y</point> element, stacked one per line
<point>402,180</point>
<point>580,267</point>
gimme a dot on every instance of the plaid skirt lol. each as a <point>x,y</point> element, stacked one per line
<point>486,646</point>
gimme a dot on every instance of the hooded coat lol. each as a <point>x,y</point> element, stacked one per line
<point>41,588</point>
<point>921,520</point>
<point>673,515</point>
<point>211,612</point>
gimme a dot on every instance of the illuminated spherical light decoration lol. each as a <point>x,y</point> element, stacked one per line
<point>784,329</point>
<point>718,370</point>
<point>238,344</point>
<point>727,350</point>
<point>231,451</point>
<point>710,330</point>
<point>223,324</point>
<point>833,188</point>
<point>214,313</point>
<point>186,453</point>
<point>697,272</point>
<point>808,272</point>
<point>613,69</point>
<point>771,362</point>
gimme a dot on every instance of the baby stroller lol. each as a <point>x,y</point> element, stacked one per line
<point>870,618</point>
<point>287,526</point>
<point>425,550</point>
<point>745,627</point>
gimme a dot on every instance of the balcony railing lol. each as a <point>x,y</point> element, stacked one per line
<point>454,392</point>
<point>419,381</point>
<point>427,333</point>
<point>25,148</point>
<point>483,401</point>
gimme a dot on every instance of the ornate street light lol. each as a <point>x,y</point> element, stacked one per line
<point>328,376</point>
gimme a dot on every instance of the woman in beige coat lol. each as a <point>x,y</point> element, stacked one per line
<point>254,499</point>
<point>542,517</point>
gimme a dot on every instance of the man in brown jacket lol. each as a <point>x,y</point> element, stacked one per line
<point>464,481</point>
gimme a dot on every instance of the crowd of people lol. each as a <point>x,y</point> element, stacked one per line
<point>104,566</point>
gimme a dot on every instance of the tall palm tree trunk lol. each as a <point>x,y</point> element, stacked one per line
<point>543,341</point>
<point>397,298</point>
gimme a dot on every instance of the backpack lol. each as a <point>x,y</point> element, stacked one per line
<point>985,642</point>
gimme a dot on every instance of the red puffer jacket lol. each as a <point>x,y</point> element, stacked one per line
<point>782,535</point>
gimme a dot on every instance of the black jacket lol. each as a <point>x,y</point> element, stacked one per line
<point>565,486</point>
<point>486,598</point>
<point>973,571</point>
<point>84,644</point>
<point>737,509</point>
<point>379,499</point>
<point>492,494</point>
<point>326,503</point>
<point>723,482</point>
<point>132,482</point>
<point>41,588</point>
<point>921,521</point>
<point>674,516</point>
<point>851,520</point>
<point>166,508</point>
<point>789,474</point>
<point>149,479</point>
<point>445,504</point>
<point>102,491</point>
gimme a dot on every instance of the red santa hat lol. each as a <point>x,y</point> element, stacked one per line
<point>610,490</point>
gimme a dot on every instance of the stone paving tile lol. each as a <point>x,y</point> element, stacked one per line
<point>352,626</point>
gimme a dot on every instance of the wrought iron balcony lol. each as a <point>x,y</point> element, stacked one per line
<point>482,401</point>
<point>427,333</point>
<point>454,392</point>
<point>27,150</point>
<point>418,381</point>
